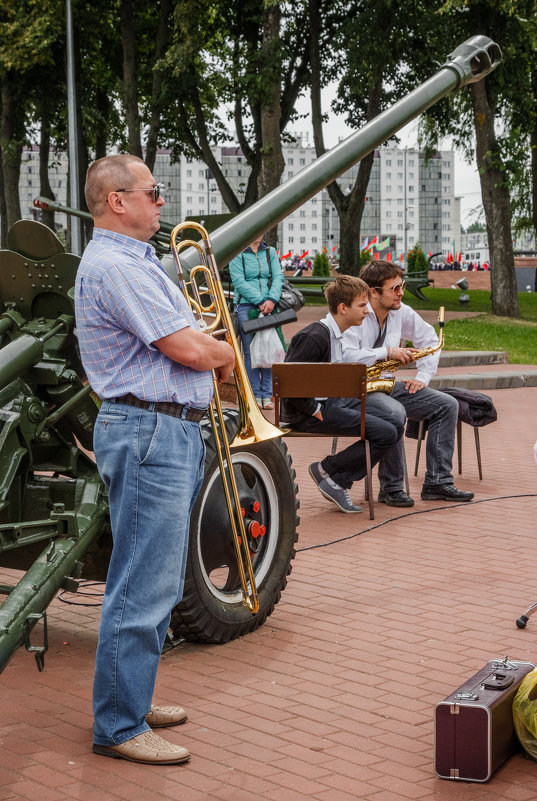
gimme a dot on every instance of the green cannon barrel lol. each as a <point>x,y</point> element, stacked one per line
<point>18,357</point>
<point>470,62</point>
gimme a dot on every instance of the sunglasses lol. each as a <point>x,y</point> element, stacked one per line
<point>154,191</point>
<point>393,288</point>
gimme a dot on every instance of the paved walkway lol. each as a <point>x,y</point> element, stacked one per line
<point>333,698</point>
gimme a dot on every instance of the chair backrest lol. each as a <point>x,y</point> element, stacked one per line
<point>319,380</point>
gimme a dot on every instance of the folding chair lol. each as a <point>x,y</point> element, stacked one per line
<point>324,380</point>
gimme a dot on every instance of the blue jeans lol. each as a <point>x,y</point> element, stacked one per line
<point>153,467</point>
<point>260,377</point>
<point>341,418</point>
<point>441,412</point>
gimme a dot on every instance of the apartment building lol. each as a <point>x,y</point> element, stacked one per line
<point>409,198</point>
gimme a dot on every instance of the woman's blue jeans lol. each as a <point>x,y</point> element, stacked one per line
<point>153,467</point>
<point>260,377</point>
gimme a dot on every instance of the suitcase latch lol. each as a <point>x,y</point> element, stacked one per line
<point>466,697</point>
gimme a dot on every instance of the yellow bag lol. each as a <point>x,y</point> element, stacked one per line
<point>525,714</point>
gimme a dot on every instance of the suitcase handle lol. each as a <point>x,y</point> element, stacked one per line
<point>499,681</point>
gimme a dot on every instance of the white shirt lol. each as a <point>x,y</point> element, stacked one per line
<point>336,339</point>
<point>401,324</point>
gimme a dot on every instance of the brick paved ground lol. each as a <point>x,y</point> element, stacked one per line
<point>332,699</point>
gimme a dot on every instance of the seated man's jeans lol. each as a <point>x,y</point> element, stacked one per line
<point>341,417</point>
<point>441,412</point>
<point>260,377</point>
<point>153,466</point>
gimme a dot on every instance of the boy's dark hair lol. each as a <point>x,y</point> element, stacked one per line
<point>344,290</point>
<point>375,272</point>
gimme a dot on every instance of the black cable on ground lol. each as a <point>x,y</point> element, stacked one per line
<point>410,514</point>
<point>98,595</point>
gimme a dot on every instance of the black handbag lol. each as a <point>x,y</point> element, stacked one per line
<point>290,298</point>
<point>269,321</point>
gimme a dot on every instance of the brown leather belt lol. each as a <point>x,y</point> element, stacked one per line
<point>164,407</point>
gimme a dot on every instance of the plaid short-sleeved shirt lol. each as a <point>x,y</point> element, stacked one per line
<point>124,301</point>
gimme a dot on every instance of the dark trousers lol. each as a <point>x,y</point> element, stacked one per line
<point>341,418</point>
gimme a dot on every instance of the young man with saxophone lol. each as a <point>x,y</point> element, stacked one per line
<point>379,339</point>
<point>347,299</point>
<point>148,361</point>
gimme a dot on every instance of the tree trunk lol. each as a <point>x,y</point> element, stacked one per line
<point>11,142</point>
<point>350,212</point>
<point>272,163</point>
<point>533,150</point>
<point>3,209</point>
<point>496,203</point>
<point>156,91</point>
<point>130,78</point>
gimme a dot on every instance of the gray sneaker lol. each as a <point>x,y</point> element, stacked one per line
<point>315,472</point>
<point>337,495</point>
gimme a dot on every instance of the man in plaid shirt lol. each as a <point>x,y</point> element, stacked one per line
<point>147,359</point>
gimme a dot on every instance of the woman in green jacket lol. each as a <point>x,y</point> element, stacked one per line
<point>257,279</point>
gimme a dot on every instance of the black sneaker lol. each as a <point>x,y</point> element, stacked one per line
<point>337,495</point>
<point>445,492</point>
<point>397,498</point>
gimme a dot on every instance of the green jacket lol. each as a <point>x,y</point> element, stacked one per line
<point>250,276</point>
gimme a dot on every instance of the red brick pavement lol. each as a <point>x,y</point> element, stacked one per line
<point>332,699</point>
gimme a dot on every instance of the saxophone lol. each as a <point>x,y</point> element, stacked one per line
<point>376,382</point>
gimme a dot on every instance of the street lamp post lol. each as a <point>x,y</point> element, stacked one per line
<point>76,237</point>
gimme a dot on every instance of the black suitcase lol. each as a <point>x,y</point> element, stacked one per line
<point>474,730</point>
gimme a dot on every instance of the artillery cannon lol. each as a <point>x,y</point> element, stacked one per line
<point>53,506</point>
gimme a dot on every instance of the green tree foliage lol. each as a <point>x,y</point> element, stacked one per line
<point>321,265</point>
<point>249,58</point>
<point>373,49</point>
<point>497,110</point>
<point>416,260</point>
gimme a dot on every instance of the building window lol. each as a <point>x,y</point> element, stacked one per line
<point>291,239</point>
<point>189,173</point>
<point>302,240</point>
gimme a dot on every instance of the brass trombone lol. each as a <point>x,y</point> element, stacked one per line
<point>253,426</point>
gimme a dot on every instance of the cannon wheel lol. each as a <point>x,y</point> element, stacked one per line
<point>211,609</point>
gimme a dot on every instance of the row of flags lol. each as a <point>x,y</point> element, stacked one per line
<point>378,246</point>
<point>374,243</point>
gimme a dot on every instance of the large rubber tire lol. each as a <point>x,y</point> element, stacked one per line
<point>212,609</point>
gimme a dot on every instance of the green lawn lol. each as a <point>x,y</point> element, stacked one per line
<point>486,332</point>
